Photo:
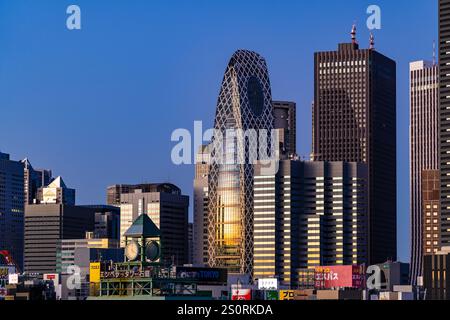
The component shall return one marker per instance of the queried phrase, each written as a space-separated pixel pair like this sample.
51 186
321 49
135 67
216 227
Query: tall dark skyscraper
244 103
11 207
355 121
444 117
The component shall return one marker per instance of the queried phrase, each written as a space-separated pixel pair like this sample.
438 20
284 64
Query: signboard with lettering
287 295
268 284
13 278
94 272
241 294
203 275
339 277
271 295
52 277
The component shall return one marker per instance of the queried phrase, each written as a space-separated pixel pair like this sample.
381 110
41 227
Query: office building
190 243
33 180
56 193
394 273
45 226
355 121
166 207
200 241
431 216
444 118
285 120
107 221
435 275
81 253
424 155
309 214
244 103
73 251
11 207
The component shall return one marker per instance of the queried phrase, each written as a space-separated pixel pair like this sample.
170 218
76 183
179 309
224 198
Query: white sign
13 278
52 277
268 284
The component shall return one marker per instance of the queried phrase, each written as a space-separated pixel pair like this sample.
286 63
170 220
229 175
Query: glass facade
244 103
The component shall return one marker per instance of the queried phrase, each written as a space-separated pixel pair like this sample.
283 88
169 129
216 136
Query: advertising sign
241 294
52 277
94 272
338 277
287 294
203 275
272 295
268 284
5 271
13 278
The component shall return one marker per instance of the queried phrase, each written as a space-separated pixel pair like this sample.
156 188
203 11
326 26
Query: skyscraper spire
353 33
372 41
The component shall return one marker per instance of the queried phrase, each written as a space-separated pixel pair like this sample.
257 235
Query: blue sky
98 105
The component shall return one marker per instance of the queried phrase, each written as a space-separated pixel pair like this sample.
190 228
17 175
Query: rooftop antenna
353 33
372 41
434 52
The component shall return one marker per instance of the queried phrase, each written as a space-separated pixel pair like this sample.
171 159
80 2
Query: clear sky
98 105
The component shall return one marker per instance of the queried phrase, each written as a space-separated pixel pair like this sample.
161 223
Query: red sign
241 294
338 277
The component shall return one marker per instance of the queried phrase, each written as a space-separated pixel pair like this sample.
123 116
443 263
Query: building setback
166 207
355 121
424 154
11 207
45 226
309 214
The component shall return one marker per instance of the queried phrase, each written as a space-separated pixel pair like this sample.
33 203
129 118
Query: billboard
13 278
5 271
271 295
338 277
52 277
241 294
203 275
268 284
287 294
94 272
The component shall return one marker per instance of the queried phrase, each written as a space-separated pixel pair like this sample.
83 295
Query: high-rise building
166 207
431 216
285 120
435 275
444 117
244 103
309 214
11 207
424 154
33 180
107 221
45 226
200 241
355 121
56 193
190 243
